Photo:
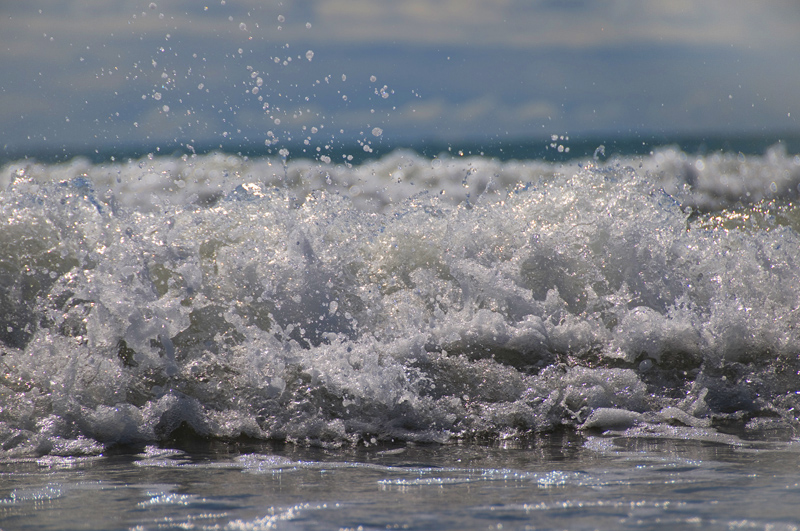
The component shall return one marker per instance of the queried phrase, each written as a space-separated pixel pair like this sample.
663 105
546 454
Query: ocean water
217 341
555 482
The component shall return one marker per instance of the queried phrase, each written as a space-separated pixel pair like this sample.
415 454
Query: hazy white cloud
561 23
510 23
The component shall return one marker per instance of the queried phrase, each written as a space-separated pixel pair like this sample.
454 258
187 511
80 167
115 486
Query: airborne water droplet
377 131
309 55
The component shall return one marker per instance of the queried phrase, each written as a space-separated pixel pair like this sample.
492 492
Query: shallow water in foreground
558 481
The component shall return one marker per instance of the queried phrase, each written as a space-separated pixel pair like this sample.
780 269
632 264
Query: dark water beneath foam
557 481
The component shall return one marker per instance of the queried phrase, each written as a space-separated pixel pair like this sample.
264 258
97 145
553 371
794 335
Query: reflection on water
558 481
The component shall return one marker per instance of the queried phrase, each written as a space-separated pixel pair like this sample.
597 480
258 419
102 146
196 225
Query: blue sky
88 74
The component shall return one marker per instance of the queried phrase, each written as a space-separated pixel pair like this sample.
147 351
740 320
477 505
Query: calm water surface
563 481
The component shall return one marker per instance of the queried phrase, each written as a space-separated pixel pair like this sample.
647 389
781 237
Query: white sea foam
405 298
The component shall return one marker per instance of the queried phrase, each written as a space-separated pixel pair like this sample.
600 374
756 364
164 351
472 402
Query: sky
84 75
